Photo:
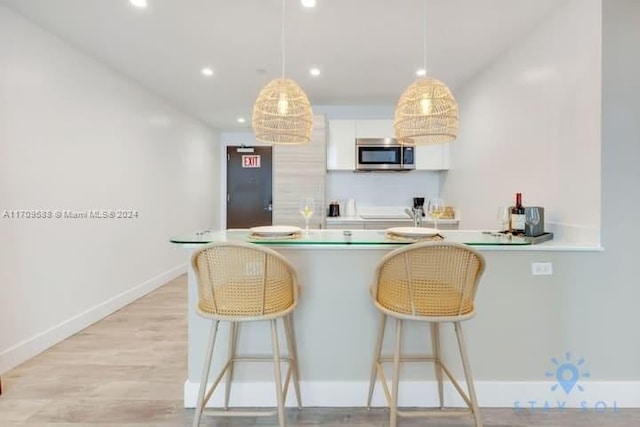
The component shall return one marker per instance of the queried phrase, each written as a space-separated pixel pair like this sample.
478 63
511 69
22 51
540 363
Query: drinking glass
436 210
307 207
503 217
531 217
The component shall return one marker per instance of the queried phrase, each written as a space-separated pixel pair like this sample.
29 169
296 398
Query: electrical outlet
541 268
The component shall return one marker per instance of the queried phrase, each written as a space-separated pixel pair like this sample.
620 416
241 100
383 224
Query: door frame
224 187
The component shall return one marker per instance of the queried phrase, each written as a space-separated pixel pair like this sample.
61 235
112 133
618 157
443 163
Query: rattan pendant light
427 112
282 113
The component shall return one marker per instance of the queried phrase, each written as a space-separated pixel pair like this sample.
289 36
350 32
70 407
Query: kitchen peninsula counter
336 322
376 239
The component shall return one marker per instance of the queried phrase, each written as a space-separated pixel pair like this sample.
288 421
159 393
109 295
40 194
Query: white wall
382 188
530 123
75 135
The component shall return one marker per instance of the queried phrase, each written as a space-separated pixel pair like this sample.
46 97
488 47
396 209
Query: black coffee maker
418 203
417 211
334 209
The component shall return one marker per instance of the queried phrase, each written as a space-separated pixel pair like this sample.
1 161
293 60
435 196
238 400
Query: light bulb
283 104
425 106
139 3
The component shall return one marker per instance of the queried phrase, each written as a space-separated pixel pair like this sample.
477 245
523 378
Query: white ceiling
368 50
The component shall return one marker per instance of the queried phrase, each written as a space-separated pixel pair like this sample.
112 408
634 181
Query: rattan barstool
243 282
431 282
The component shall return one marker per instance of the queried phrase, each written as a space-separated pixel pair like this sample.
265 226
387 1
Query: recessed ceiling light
241 120
139 3
308 3
421 72
206 71
315 72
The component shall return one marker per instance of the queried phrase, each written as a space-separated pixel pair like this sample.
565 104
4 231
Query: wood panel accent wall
300 171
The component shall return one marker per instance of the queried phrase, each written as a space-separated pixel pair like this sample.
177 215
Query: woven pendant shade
282 114
427 113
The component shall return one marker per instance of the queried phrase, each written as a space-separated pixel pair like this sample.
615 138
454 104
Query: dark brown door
249 202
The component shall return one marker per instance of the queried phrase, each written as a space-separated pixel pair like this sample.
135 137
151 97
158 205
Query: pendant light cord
424 35
283 53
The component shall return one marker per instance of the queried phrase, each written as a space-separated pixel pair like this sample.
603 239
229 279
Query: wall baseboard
33 346
597 396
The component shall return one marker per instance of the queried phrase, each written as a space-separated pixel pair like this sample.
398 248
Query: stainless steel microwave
384 154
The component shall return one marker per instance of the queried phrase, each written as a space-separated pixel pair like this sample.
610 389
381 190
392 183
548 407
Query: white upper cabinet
341 149
374 129
432 157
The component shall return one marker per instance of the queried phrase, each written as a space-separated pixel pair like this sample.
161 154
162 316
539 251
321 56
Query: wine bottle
517 216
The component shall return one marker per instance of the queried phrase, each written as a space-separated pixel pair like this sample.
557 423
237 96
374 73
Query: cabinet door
432 157
299 171
374 129
341 149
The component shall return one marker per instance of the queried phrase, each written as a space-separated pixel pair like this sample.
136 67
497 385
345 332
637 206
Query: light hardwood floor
128 371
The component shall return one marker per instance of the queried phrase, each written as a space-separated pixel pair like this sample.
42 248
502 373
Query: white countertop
385 213
347 219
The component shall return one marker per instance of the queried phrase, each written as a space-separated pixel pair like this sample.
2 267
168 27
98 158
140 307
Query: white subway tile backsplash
382 188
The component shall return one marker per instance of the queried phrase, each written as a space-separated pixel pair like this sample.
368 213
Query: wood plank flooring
128 371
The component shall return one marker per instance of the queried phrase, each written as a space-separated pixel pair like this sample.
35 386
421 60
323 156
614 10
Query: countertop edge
499 248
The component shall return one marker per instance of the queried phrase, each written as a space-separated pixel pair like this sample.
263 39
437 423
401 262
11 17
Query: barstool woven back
431 279
243 280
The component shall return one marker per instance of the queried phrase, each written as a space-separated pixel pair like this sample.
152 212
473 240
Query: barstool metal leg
467 373
233 342
205 373
435 341
396 375
278 375
376 359
293 355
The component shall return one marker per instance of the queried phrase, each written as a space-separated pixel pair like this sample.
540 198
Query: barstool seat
432 282
241 282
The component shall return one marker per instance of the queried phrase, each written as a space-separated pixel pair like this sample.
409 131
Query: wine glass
531 217
307 207
503 217
436 210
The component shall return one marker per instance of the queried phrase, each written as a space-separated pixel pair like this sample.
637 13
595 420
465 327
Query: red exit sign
251 161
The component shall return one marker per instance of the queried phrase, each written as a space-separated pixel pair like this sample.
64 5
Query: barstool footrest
411 358
258 358
234 413
435 412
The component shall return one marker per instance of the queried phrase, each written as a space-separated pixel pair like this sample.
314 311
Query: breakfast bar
336 322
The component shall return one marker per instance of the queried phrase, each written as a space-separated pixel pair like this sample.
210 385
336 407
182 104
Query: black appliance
334 209
418 203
